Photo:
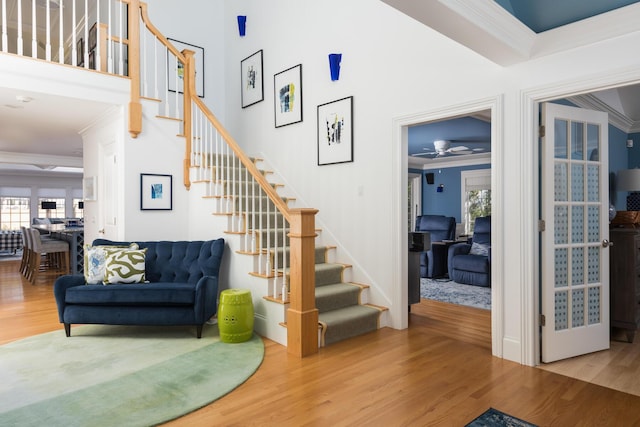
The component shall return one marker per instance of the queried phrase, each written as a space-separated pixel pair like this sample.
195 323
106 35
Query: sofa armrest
60 287
206 298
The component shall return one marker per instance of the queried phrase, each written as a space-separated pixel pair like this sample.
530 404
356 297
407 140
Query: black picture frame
287 96
335 132
93 36
156 192
171 67
80 52
252 79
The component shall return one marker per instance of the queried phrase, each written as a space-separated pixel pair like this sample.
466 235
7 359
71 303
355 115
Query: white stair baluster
86 34
48 32
5 37
110 40
61 33
74 36
34 35
98 53
20 40
284 259
121 45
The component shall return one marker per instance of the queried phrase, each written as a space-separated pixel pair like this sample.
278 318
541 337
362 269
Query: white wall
200 23
393 67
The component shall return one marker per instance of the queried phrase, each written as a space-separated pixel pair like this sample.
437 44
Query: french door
574 243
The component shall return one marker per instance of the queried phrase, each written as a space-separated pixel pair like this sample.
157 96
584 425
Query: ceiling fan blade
454 149
430 154
471 140
460 152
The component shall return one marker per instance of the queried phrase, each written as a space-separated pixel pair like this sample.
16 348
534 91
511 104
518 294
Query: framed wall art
335 132
156 192
287 95
174 66
252 79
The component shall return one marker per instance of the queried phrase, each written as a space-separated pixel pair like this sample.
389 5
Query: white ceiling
45 129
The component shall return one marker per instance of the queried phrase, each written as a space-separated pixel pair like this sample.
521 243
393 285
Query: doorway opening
451 158
589 367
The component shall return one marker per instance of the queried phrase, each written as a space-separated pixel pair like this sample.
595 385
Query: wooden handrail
281 205
157 33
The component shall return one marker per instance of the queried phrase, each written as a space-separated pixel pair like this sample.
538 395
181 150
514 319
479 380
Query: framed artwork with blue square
156 192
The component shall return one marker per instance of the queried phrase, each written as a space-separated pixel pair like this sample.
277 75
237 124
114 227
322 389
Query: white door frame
416 187
529 161
400 316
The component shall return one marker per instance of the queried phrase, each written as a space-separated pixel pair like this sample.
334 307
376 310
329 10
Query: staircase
300 290
260 230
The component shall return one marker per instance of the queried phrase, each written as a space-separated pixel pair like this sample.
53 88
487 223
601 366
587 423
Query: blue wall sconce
334 65
242 25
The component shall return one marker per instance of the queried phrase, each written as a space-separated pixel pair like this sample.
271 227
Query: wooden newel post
189 85
302 315
135 108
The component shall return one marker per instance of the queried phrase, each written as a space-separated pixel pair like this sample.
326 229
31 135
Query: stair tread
348 322
337 295
345 314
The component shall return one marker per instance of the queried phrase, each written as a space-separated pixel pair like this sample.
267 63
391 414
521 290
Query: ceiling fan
442 148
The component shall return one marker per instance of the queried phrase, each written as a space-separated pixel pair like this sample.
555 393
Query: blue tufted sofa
182 289
433 262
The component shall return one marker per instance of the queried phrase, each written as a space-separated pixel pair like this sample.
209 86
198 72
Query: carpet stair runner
342 314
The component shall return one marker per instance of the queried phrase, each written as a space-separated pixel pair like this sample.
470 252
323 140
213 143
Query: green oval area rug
119 375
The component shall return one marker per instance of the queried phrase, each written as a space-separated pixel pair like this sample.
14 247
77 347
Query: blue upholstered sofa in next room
179 286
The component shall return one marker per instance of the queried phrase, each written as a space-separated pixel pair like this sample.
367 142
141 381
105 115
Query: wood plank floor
429 374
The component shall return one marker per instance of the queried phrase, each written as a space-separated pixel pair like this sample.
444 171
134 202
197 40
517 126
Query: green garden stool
235 315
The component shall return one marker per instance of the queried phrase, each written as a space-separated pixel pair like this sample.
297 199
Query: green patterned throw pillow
124 266
94 262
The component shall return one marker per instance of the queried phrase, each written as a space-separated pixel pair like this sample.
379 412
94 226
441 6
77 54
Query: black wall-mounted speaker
429 177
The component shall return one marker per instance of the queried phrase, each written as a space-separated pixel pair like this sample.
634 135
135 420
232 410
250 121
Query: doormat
493 417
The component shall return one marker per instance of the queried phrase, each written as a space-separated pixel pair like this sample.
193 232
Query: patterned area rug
446 290
493 417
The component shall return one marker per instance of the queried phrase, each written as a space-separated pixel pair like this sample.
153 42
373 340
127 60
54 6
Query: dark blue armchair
470 263
434 261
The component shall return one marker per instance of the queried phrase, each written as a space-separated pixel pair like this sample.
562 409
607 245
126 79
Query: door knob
606 243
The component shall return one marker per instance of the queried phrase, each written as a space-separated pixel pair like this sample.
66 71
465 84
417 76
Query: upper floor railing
117 37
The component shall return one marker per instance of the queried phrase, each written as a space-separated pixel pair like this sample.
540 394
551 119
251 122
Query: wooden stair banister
189 92
135 107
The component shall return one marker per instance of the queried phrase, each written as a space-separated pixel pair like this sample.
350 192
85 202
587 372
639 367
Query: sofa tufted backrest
179 261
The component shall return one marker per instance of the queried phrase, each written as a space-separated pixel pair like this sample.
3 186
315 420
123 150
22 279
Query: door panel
575 261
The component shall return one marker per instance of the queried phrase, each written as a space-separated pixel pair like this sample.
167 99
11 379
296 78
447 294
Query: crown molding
616 118
449 162
486 28
40 159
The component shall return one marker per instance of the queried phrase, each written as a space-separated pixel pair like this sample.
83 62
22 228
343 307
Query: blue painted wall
618 159
448 202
